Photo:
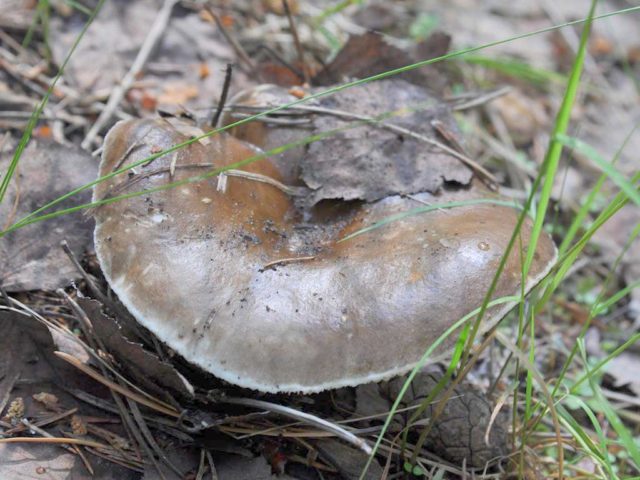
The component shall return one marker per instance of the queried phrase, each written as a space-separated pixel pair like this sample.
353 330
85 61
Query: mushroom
239 283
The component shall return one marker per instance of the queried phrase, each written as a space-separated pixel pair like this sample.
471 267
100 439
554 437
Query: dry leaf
147 368
31 257
370 163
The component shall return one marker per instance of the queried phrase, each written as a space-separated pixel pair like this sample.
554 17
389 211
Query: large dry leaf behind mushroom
31 257
366 162
370 163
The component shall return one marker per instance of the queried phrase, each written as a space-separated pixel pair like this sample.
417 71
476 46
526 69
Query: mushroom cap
189 263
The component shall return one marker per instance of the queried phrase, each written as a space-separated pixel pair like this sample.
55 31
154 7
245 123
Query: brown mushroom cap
189 263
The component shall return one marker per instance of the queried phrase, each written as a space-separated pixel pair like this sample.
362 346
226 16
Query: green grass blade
550 167
518 69
602 363
583 437
625 436
578 221
600 307
425 209
554 150
593 155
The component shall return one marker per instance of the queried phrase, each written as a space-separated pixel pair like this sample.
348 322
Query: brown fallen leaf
369 54
361 160
371 163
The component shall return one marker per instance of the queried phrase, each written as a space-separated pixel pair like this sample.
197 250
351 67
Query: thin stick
284 261
307 418
212 467
85 276
480 99
257 177
117 94
148 436
223 96
55 440
296 40
232 41
201 467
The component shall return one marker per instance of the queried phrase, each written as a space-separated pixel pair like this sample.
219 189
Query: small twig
83 318
117 94
148 436
201 466
257 177
42 423
296 40
212 467
284 261
85 276
301 416
478 100
223 96
159 423
129 150
419 200
288 189
232 41
55 440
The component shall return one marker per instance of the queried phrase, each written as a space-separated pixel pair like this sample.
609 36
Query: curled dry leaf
143 365
31 257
